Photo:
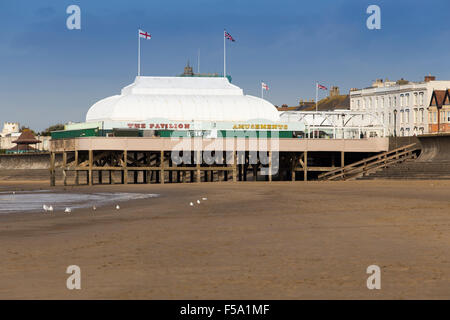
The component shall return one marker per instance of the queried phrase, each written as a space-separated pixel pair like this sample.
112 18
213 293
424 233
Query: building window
421 98
422 116
401 100
407 115
407 99
415 98
448 116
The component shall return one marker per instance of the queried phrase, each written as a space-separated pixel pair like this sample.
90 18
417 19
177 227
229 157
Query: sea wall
27 161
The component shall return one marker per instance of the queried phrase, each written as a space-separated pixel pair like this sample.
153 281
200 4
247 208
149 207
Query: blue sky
49 74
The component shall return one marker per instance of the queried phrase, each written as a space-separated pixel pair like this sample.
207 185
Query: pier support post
52 170
125 169
135 172
91 160
64 165
342 159
270 166
77 175
162 176
234 166
293 166
305 166
199 176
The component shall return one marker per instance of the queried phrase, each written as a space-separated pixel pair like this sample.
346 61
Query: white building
10 128
182 99
401 105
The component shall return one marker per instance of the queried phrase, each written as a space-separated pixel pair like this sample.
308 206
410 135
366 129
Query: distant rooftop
189 72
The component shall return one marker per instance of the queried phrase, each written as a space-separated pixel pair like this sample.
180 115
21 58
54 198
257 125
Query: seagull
68 210
117 207
191 204
198 201
94 208
47 208
204 199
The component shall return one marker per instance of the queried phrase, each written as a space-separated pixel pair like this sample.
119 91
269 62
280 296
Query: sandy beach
246 241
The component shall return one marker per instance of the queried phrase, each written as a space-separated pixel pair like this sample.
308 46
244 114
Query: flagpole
262 92
139 54
317 94
224 56
198 63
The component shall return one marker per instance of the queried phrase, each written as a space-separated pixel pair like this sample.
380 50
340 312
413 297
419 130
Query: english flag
264 86
145 35
321 87
229 37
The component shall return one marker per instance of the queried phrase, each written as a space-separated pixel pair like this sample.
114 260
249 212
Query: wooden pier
106 160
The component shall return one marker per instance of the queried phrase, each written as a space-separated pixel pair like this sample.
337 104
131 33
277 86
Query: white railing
339 124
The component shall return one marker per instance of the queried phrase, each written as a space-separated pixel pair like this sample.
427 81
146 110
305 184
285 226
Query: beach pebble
68 210
198 201
204 199
117 207
191 204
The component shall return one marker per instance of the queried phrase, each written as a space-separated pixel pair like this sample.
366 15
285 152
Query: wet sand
247 241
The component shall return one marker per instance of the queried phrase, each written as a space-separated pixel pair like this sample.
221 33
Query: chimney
429 78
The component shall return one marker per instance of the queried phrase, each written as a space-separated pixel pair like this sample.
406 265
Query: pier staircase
370 166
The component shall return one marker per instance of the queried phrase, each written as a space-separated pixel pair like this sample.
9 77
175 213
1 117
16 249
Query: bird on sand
47 208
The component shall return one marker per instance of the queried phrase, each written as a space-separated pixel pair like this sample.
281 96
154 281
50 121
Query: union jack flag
229 37
321 87
264 86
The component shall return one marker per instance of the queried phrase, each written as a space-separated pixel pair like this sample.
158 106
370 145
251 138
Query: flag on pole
264 86
145 35
321 87
229 37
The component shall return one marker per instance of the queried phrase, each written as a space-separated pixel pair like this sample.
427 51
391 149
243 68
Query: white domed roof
182 99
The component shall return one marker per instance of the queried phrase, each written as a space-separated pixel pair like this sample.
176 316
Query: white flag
145 35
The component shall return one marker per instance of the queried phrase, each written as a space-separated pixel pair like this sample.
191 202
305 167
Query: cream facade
401 105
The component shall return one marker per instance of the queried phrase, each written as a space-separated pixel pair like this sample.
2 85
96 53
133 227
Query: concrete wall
27 161
397 142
